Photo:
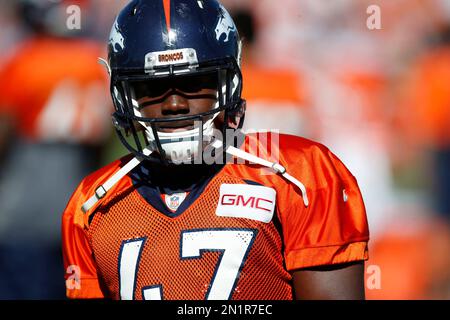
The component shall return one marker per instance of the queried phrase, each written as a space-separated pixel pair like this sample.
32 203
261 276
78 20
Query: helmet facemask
179 146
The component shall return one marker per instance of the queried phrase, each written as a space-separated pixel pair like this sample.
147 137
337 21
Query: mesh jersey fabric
331 230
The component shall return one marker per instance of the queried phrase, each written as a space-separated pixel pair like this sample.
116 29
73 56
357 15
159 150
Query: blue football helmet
156 42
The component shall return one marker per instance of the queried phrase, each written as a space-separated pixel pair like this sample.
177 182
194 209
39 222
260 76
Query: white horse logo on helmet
116 39
225 25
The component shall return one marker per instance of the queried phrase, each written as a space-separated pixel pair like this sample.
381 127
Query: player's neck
181 177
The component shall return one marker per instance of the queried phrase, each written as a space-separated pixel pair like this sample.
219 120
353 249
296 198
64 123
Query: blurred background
368 78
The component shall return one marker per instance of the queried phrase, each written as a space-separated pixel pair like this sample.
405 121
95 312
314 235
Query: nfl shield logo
174 201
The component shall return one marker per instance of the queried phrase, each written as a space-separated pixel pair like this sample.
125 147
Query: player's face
178 96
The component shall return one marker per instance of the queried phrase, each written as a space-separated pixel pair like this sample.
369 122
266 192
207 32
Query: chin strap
275 166
102 190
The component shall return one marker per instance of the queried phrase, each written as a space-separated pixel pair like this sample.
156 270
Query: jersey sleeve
82 279
333 229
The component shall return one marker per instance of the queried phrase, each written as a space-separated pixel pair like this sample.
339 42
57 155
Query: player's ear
236 120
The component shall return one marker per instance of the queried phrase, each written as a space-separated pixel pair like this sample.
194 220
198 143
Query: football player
197 212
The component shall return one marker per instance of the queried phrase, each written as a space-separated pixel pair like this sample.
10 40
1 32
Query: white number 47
234 244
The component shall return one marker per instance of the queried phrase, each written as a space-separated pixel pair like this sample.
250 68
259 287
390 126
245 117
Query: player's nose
175 104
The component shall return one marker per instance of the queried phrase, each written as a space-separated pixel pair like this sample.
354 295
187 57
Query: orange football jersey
239 236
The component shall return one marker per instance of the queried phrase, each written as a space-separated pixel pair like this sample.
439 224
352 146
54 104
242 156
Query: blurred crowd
377 94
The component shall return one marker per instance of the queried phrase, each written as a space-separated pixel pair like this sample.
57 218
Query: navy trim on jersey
141 178
253 183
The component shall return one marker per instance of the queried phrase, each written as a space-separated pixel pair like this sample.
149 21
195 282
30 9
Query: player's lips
176 127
